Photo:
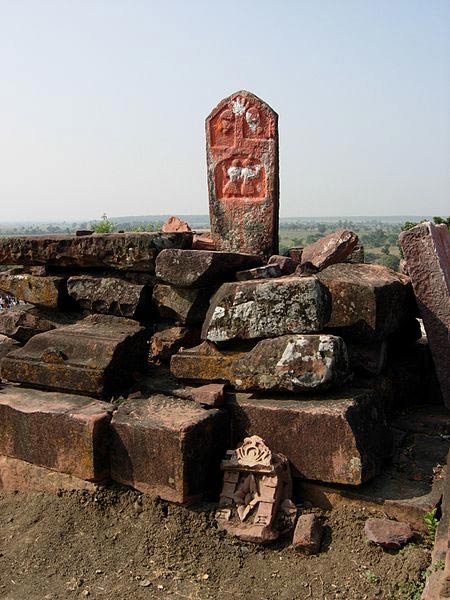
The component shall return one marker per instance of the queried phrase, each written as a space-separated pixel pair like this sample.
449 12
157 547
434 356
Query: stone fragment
97 356
168 447
204 363
63 432
286 264
295 254
345 433
128 251
256 482
49 292
387 533
427 251
168 341
265 309
80 232
202 268
211 395
23 322
357 255
174 224
111 296
369 301
203 242
264 272
242 157
7 344
331 249
186 305
308 534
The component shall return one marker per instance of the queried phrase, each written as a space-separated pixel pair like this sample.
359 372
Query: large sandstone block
369 302
202 268
242 157
168 447
186 305
427 251
111 296
342 438
97 356
49 292
266 309
62 432
129 251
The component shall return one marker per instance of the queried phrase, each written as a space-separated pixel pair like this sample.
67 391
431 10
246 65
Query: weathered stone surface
174 224
168 447
211 395
203 242
357 255
331 249
204 363
265 309
286 264
81 232
7 344
63 432
111 296
23 322
264 272
308 534
342 438
133 251
186 305
242 156
427 251
387 533
169 340
96 356
295 254
200 268
49 291
368 301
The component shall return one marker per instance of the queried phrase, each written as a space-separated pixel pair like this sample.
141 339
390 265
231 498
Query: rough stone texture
331 249
265 309
203 242
168 341
96 356
202 268
205 363
308 534
265 272
49 292
132 251
211 395
286 264
111 296
62 432
295 254
357 255
168 447
342 438
368 301
186 305
387 533
242 157
427 251
7 344
23 322
174 224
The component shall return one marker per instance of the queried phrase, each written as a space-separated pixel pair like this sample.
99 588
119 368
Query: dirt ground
119 544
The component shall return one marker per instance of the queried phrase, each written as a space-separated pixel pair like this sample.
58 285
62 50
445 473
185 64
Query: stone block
7 345
242 158
174 224
308 534
331 249
369 302
357 255
286 264
264 272
169 340
62 432
387 533
23 322
97 356
427 251
266 309
168 447
186 305
202 268
340 438
128 251
49 292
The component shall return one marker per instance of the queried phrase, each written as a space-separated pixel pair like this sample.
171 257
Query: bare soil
119 544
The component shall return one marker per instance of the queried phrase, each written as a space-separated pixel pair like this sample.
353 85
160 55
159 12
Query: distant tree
385 249
321 227
105 225
390 261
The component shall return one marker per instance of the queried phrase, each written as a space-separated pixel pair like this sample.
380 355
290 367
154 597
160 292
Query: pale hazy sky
102 103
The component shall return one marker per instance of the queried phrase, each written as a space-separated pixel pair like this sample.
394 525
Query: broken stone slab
168 447
7 344
427 251
186 305
211 395
264 272
266 309
174 224
308 534
22 322
50 292
97 356
242 158
111 296
202 268
295 254
369 302
124 251
62 432
286 264
168 341
357 255
331 249
345 433
203 242
389 534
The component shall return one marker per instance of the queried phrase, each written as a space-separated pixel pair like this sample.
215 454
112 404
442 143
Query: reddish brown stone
308 534
211 395
387 533
80 232
48 291
174 224
168 447
7 344
23 322
357 255
296 254
203 242
186 305
62 432
286 264
242 156
331 249
168 341
264 272
427 251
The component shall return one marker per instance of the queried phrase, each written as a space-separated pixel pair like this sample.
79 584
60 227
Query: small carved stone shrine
255 501
242 155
